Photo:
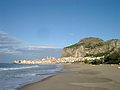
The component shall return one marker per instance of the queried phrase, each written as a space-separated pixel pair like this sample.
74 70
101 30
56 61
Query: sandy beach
81 77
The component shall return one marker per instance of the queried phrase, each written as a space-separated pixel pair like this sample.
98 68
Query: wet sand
81 77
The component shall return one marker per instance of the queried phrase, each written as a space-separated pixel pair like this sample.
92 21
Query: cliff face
91 47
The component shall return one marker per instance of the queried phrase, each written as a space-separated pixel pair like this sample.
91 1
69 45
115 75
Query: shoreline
39 81
80 77
21 87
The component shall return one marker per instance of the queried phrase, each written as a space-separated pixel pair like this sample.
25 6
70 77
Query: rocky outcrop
91 47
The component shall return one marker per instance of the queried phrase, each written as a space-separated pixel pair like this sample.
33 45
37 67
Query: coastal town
53 60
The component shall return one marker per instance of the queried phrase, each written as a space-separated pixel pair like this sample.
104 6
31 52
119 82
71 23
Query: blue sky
59 22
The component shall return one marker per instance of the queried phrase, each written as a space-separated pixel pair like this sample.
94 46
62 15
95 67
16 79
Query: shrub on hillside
86 61
96 62
113 58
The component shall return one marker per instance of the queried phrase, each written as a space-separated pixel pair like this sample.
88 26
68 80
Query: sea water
13 76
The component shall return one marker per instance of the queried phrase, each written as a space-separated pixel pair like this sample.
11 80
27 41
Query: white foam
25 75
27 67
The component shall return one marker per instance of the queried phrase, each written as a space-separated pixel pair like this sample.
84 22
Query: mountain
92 47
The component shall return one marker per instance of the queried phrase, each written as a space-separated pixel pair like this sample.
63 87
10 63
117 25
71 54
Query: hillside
92 47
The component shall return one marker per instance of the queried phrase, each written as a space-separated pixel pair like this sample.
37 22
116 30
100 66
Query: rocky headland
93 48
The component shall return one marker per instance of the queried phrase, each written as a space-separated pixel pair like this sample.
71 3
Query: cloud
6 39
37 47
8 44
38 50
11 45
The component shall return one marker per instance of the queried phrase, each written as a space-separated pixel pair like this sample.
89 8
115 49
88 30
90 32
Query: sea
14 76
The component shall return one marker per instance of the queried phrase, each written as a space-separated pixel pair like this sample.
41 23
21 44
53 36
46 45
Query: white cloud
11 45
6 39
35 47
8 44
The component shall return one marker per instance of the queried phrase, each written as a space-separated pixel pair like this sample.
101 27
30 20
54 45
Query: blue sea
14 76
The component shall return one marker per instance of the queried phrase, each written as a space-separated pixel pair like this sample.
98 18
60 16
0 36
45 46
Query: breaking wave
17 68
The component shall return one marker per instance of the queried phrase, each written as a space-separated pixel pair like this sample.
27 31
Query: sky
57 23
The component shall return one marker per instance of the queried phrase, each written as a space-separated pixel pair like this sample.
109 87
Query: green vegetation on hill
101 53
113 58
97 55
91 42
88 43
74 45
96 62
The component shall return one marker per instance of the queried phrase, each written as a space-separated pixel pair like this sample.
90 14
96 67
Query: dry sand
81 77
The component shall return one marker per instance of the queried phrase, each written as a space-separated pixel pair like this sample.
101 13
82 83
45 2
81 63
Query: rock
91 47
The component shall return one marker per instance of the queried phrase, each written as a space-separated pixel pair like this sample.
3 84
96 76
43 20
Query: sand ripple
91 88
88 72
92 80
